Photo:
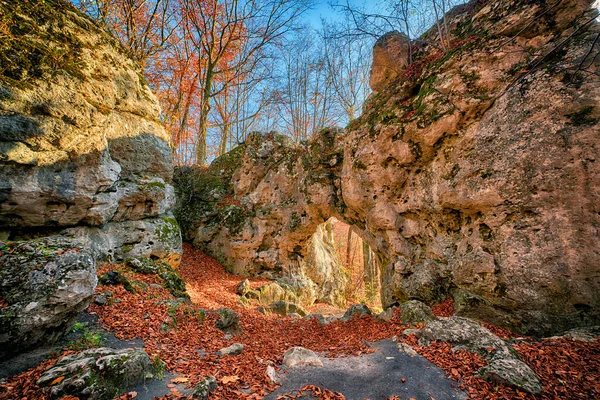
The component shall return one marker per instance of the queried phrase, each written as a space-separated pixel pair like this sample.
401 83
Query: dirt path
376 376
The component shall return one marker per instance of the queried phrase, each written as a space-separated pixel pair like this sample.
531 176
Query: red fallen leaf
57 380
210 287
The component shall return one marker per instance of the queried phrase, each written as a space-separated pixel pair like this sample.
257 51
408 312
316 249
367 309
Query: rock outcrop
391 56
474 173
44 284
100 374
81 146
504 366
84 160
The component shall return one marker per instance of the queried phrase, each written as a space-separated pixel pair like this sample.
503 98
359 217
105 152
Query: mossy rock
170 277
283 308
116 278
414 312
100 374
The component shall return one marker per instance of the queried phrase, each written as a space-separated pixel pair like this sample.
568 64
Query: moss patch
35 42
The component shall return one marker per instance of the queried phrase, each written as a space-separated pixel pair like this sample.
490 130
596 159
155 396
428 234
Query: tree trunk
203 123
370 274
349 249
202 134
224 138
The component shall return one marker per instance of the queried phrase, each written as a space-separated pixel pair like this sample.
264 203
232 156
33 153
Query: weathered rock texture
474 173
100 374
504 366
83 157
80 140
391 56
44 284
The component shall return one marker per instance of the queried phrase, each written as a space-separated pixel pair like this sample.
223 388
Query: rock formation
81 147
83 160
44 284
474 173
100 374
391 56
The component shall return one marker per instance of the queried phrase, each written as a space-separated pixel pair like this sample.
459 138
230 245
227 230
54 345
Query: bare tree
218 30
348 64
143 26
306 94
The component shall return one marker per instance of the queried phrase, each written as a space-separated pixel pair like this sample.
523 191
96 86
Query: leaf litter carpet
185 338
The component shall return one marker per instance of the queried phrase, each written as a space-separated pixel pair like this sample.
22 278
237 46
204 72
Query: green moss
170 277
154 184
168 231
88 340
36 44
484 173
469 77
295 221
234 218
198 192
158 367
127 248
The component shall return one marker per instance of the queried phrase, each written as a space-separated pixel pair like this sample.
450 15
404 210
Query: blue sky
322 9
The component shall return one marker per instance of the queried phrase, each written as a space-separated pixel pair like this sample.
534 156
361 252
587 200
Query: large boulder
505 366
298 356
471 174
44 285
100 374
414 311
80 139
356 309
391 56
82 155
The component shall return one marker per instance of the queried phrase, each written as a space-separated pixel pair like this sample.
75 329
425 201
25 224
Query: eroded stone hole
344 267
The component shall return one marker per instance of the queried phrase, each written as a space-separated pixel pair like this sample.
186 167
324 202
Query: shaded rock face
83 160
473 174
80 141
44 284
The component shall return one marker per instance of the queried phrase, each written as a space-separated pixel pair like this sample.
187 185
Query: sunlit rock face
80 141
474 174
391 56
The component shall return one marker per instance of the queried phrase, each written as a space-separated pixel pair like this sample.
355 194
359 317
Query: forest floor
184 336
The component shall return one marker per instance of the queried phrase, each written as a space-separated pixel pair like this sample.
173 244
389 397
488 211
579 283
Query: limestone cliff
474 173
85 168
80 141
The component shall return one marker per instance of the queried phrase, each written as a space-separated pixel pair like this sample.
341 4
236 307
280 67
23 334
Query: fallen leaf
57 380
180 379
229 379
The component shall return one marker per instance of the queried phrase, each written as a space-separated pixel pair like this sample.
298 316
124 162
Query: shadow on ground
375 376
